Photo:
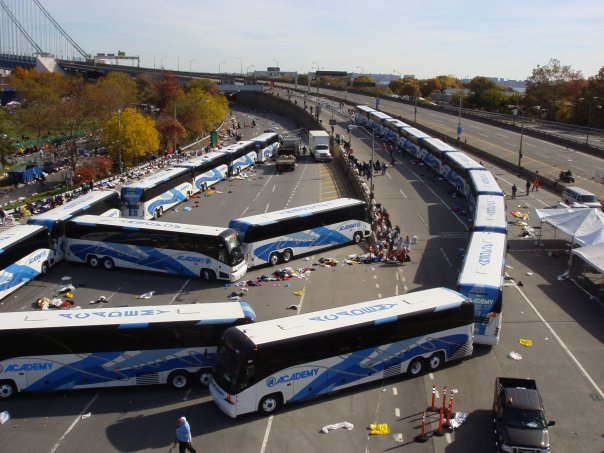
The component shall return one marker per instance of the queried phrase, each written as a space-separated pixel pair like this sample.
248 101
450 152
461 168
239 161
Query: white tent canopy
586 226
593 254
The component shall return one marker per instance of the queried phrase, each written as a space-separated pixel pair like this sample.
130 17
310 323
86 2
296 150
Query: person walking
183 436
528 185
514 190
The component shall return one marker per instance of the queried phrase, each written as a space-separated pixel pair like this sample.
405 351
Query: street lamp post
153 62
219 65
240 65
317 78
459 129
371 194
161 62
177 63
415 104
248 69
590 103
276 61
515 110
190 71
362 69
119 140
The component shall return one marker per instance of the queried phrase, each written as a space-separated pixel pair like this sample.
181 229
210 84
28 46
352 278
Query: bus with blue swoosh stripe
193 251
481 280
240 155
149 197
24 254
261 366
278 236
267 145
96 202
206 170
113 347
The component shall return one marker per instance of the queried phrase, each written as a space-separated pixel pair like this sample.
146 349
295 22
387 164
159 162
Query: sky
464 38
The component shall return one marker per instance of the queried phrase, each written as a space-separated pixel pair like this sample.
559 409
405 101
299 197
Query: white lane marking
397 277
77 419
266 209
375 277
483 135
446 258
274 188
448 437
388 174
245 210
379 295
397 412
579 168
268 429
561 343
509 144
182 288
186 397
431 376
423 221
404 196
396 290
377 285
394 391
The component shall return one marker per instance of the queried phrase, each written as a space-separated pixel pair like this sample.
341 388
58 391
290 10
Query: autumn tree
111 93
206 85
199 112
550 86
168 88
40 96
171 131
129 136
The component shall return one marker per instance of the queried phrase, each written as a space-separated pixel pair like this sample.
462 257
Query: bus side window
247 376
222 256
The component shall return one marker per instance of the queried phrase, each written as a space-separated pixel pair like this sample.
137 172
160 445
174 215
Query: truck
318 141
520 423
287 154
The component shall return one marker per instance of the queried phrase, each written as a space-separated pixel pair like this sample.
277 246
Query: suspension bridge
28 32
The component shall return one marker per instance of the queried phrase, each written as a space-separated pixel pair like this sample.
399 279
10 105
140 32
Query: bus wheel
179 380
93 261
156 214
416 366
270 404
436 361
204 187
160 211
274 258
44 268
238 171
287 256
108 264
357 237
204 377
7 390
208 275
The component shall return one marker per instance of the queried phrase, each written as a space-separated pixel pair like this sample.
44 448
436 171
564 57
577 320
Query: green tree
133 135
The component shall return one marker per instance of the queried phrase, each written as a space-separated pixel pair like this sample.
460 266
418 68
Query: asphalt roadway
566 328
538 155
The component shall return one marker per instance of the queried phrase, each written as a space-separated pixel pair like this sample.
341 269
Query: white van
572 195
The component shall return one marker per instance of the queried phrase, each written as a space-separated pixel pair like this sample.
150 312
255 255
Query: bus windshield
234 249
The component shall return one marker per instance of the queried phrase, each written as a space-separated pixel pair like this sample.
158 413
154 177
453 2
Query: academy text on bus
174 248
265 365
113 347
278 236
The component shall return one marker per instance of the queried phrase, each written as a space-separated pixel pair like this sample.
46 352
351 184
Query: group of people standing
391 246
530 183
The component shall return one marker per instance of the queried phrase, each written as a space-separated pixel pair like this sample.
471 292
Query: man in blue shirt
183 436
